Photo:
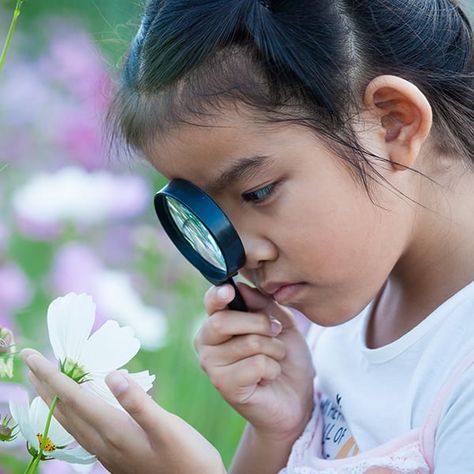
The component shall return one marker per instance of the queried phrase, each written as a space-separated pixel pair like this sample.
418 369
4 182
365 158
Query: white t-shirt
370 396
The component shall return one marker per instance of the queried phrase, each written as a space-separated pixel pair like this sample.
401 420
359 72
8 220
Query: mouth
282 292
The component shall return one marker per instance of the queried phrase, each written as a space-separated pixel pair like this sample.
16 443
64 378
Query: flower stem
28 468
16 14
34 466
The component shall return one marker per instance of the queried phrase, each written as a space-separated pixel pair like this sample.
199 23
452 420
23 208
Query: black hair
306 62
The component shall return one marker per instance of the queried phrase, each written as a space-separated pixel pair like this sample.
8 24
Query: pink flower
12 391
81 139
15 292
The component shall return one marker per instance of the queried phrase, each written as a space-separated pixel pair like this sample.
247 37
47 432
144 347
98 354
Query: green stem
34 466
28 468
37 460
16 14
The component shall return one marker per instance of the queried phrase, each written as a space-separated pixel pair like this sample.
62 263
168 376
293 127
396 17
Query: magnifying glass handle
238 303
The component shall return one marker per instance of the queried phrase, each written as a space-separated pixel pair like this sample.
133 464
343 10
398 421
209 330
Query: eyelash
259 195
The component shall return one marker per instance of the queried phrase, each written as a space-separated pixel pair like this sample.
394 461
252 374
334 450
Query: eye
260 195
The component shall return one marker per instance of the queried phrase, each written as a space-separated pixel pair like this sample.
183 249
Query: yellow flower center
48 446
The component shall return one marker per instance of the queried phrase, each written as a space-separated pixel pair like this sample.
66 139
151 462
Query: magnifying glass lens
202 233
196 234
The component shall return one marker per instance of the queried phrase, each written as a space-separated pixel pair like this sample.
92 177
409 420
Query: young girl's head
323 128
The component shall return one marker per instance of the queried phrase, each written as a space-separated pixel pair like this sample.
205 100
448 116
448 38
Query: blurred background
76 219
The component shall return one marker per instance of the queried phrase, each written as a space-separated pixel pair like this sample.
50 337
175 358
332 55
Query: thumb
165 431
259 302
135 401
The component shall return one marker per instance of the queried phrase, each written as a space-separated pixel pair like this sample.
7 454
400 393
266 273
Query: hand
143 439
263 370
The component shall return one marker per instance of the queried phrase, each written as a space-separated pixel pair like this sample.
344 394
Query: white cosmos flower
59 444
85 197
88 358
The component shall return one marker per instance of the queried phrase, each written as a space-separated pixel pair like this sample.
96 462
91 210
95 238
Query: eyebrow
239 170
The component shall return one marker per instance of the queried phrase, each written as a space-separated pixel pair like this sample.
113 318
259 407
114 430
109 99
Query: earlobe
405 117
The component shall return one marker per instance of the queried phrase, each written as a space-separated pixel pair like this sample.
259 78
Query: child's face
316 226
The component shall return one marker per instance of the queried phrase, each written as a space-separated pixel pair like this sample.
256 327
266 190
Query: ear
405 117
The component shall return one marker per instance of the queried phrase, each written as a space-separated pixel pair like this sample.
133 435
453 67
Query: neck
437 263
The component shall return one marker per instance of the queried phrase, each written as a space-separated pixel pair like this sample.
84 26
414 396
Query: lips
281 291
272 288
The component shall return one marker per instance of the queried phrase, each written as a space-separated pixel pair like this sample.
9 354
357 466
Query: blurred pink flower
4 235
12 391
15 292
38 230
81 139
60 467
25 95
78 269
118 246
15 289
72 85
74 269
74 61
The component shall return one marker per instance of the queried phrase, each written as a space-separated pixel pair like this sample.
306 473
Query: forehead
203 150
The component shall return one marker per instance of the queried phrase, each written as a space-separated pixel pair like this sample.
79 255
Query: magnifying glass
202 233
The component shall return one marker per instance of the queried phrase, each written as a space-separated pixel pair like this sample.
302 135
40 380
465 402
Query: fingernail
117 383
276 327
32 362
26 353
223 292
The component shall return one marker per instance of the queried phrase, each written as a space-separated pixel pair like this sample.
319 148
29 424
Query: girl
338 137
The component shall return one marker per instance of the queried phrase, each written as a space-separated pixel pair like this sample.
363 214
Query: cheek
342 238
345 249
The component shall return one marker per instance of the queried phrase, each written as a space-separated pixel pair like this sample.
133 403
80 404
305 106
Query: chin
328 316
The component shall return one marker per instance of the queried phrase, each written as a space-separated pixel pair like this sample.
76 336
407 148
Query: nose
258 250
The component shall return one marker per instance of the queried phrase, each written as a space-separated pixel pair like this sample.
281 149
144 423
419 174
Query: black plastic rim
213 219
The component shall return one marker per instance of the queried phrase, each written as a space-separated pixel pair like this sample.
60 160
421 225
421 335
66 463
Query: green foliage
112 23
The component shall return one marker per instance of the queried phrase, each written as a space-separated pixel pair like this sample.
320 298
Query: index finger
224 325
71 395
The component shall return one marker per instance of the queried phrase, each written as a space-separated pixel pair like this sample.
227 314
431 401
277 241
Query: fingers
97 426
225 324
73 400
242 347
76 426
238 382
217 298
136 402
47 373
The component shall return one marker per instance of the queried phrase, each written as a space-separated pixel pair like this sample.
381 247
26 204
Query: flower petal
58 435
100 388
77 455
21 414
109 348
70 321
39 414
144 379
